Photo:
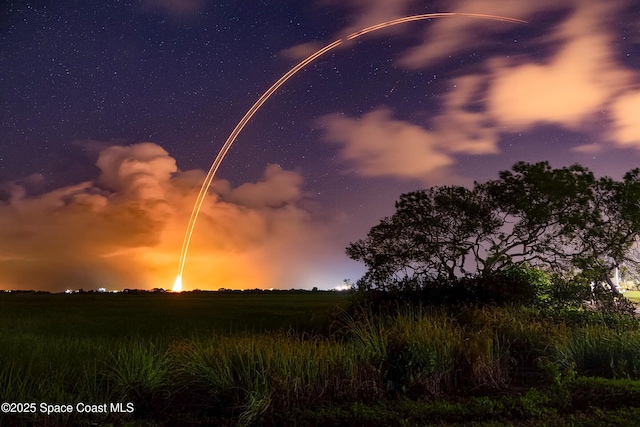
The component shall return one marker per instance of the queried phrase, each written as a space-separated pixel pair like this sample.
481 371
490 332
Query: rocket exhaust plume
177 285
256 106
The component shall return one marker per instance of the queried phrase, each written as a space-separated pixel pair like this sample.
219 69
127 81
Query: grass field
286 358
167 315
102 348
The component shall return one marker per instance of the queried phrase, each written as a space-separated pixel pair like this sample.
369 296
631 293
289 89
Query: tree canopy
564 220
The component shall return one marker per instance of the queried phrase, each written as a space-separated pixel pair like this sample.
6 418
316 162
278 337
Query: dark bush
516 285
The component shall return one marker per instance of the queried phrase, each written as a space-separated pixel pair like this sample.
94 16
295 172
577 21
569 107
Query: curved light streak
177 287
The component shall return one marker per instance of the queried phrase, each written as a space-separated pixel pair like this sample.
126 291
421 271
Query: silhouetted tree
562 220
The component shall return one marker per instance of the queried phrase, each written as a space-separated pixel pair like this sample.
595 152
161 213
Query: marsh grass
254 378
600 351
139 371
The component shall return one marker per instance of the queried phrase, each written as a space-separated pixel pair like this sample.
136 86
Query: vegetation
412 365
167 315
529 338
144 348
564 221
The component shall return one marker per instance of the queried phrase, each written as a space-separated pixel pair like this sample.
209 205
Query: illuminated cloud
580 78
301 51
139 171
461 129
277 188
576 84
125 229
378 145
625 111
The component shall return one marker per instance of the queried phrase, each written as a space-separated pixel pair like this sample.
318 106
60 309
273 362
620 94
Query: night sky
112 112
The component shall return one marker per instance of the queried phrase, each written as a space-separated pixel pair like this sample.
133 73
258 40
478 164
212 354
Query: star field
442 101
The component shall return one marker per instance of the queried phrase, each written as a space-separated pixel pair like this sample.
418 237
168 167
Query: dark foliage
454 245
517 285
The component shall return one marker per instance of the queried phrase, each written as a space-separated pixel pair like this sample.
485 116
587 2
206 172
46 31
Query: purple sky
112 112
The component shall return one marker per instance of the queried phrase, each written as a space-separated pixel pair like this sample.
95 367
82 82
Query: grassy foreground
282 359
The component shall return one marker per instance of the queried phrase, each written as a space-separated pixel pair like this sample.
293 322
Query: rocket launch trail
274 87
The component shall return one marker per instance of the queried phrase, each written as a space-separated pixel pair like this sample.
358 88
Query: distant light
343 287
102 289
270 289
68 291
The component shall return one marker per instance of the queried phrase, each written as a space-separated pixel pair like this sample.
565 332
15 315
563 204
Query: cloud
277 188
452 36
578 82
460 128
378 145
568 75
443 37
18 189
588 148
625 110
138 170
301 51
125 229
364 13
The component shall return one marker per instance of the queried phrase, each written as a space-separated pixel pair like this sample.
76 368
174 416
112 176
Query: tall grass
248 378
600 351
282 370
421 352
139 371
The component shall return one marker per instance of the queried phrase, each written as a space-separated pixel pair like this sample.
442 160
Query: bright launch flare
177 287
